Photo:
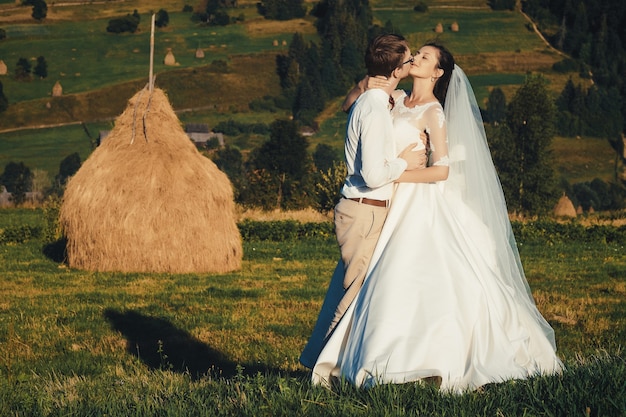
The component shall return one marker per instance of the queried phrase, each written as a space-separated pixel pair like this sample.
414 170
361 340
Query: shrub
19 234
566 65
421 7
128 23
284 230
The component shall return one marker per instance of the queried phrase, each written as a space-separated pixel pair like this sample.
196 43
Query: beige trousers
358 228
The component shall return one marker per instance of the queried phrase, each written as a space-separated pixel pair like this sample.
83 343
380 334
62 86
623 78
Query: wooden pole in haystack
150 77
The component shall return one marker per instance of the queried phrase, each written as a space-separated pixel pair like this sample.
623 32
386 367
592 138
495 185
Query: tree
41 69
528 178
162 18
328 186
4 102
128 23
68 167
325 156
283 162
281 9
216 13
343 28
230 161
40 10
17 179
22 69
496 106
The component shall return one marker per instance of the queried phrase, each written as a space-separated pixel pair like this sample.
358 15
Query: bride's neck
422 92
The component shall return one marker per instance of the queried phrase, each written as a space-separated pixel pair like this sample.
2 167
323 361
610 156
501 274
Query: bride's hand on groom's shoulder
375 82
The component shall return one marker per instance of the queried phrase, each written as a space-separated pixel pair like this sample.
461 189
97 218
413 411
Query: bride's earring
433 79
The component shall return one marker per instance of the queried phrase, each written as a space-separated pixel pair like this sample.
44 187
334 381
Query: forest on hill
321 58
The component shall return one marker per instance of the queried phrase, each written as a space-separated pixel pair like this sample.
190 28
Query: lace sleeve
438 139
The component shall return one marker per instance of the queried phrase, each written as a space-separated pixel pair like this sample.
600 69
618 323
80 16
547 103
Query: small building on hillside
200 134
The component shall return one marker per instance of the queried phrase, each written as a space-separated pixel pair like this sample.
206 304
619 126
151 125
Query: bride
445 297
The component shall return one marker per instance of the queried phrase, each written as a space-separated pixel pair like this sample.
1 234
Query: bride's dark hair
446 63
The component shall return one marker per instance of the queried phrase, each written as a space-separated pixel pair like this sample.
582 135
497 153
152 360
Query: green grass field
82 56
83 343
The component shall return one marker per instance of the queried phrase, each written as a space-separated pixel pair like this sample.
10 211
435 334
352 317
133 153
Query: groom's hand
414 159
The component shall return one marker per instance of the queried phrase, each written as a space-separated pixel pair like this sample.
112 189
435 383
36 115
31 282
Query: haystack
3 68
169 58
454 27
565 207
147 201
439 28
199 53
57 90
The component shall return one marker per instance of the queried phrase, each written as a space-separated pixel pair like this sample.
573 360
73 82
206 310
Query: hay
150 203
57 90
565 207
169 58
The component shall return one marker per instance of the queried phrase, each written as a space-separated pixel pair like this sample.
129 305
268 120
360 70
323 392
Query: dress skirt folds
432 307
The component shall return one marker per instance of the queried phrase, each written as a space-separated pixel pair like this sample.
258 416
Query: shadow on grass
161 345
56 251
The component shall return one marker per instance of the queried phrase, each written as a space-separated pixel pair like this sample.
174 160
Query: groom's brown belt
371 202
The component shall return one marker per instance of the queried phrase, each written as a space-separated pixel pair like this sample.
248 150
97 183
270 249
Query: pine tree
162 18
283 160
22 69
40 10
530 119
496 106
17 179
41 69
578 33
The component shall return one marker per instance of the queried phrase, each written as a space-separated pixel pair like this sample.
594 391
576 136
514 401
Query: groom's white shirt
371 156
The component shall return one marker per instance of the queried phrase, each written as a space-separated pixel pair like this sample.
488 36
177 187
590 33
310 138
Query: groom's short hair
384 54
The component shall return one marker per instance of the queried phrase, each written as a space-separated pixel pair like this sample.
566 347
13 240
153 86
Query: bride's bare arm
366 83
354 94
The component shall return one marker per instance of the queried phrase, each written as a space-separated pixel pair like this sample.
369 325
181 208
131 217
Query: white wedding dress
434 302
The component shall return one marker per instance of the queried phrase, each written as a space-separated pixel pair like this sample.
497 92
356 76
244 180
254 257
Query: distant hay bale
565 207
169 58
454 27
150 203
57 90
199 53
439 28
3 68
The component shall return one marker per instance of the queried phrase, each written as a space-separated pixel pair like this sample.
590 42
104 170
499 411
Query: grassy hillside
100 71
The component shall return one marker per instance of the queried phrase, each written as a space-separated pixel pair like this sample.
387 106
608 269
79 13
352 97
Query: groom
367 190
